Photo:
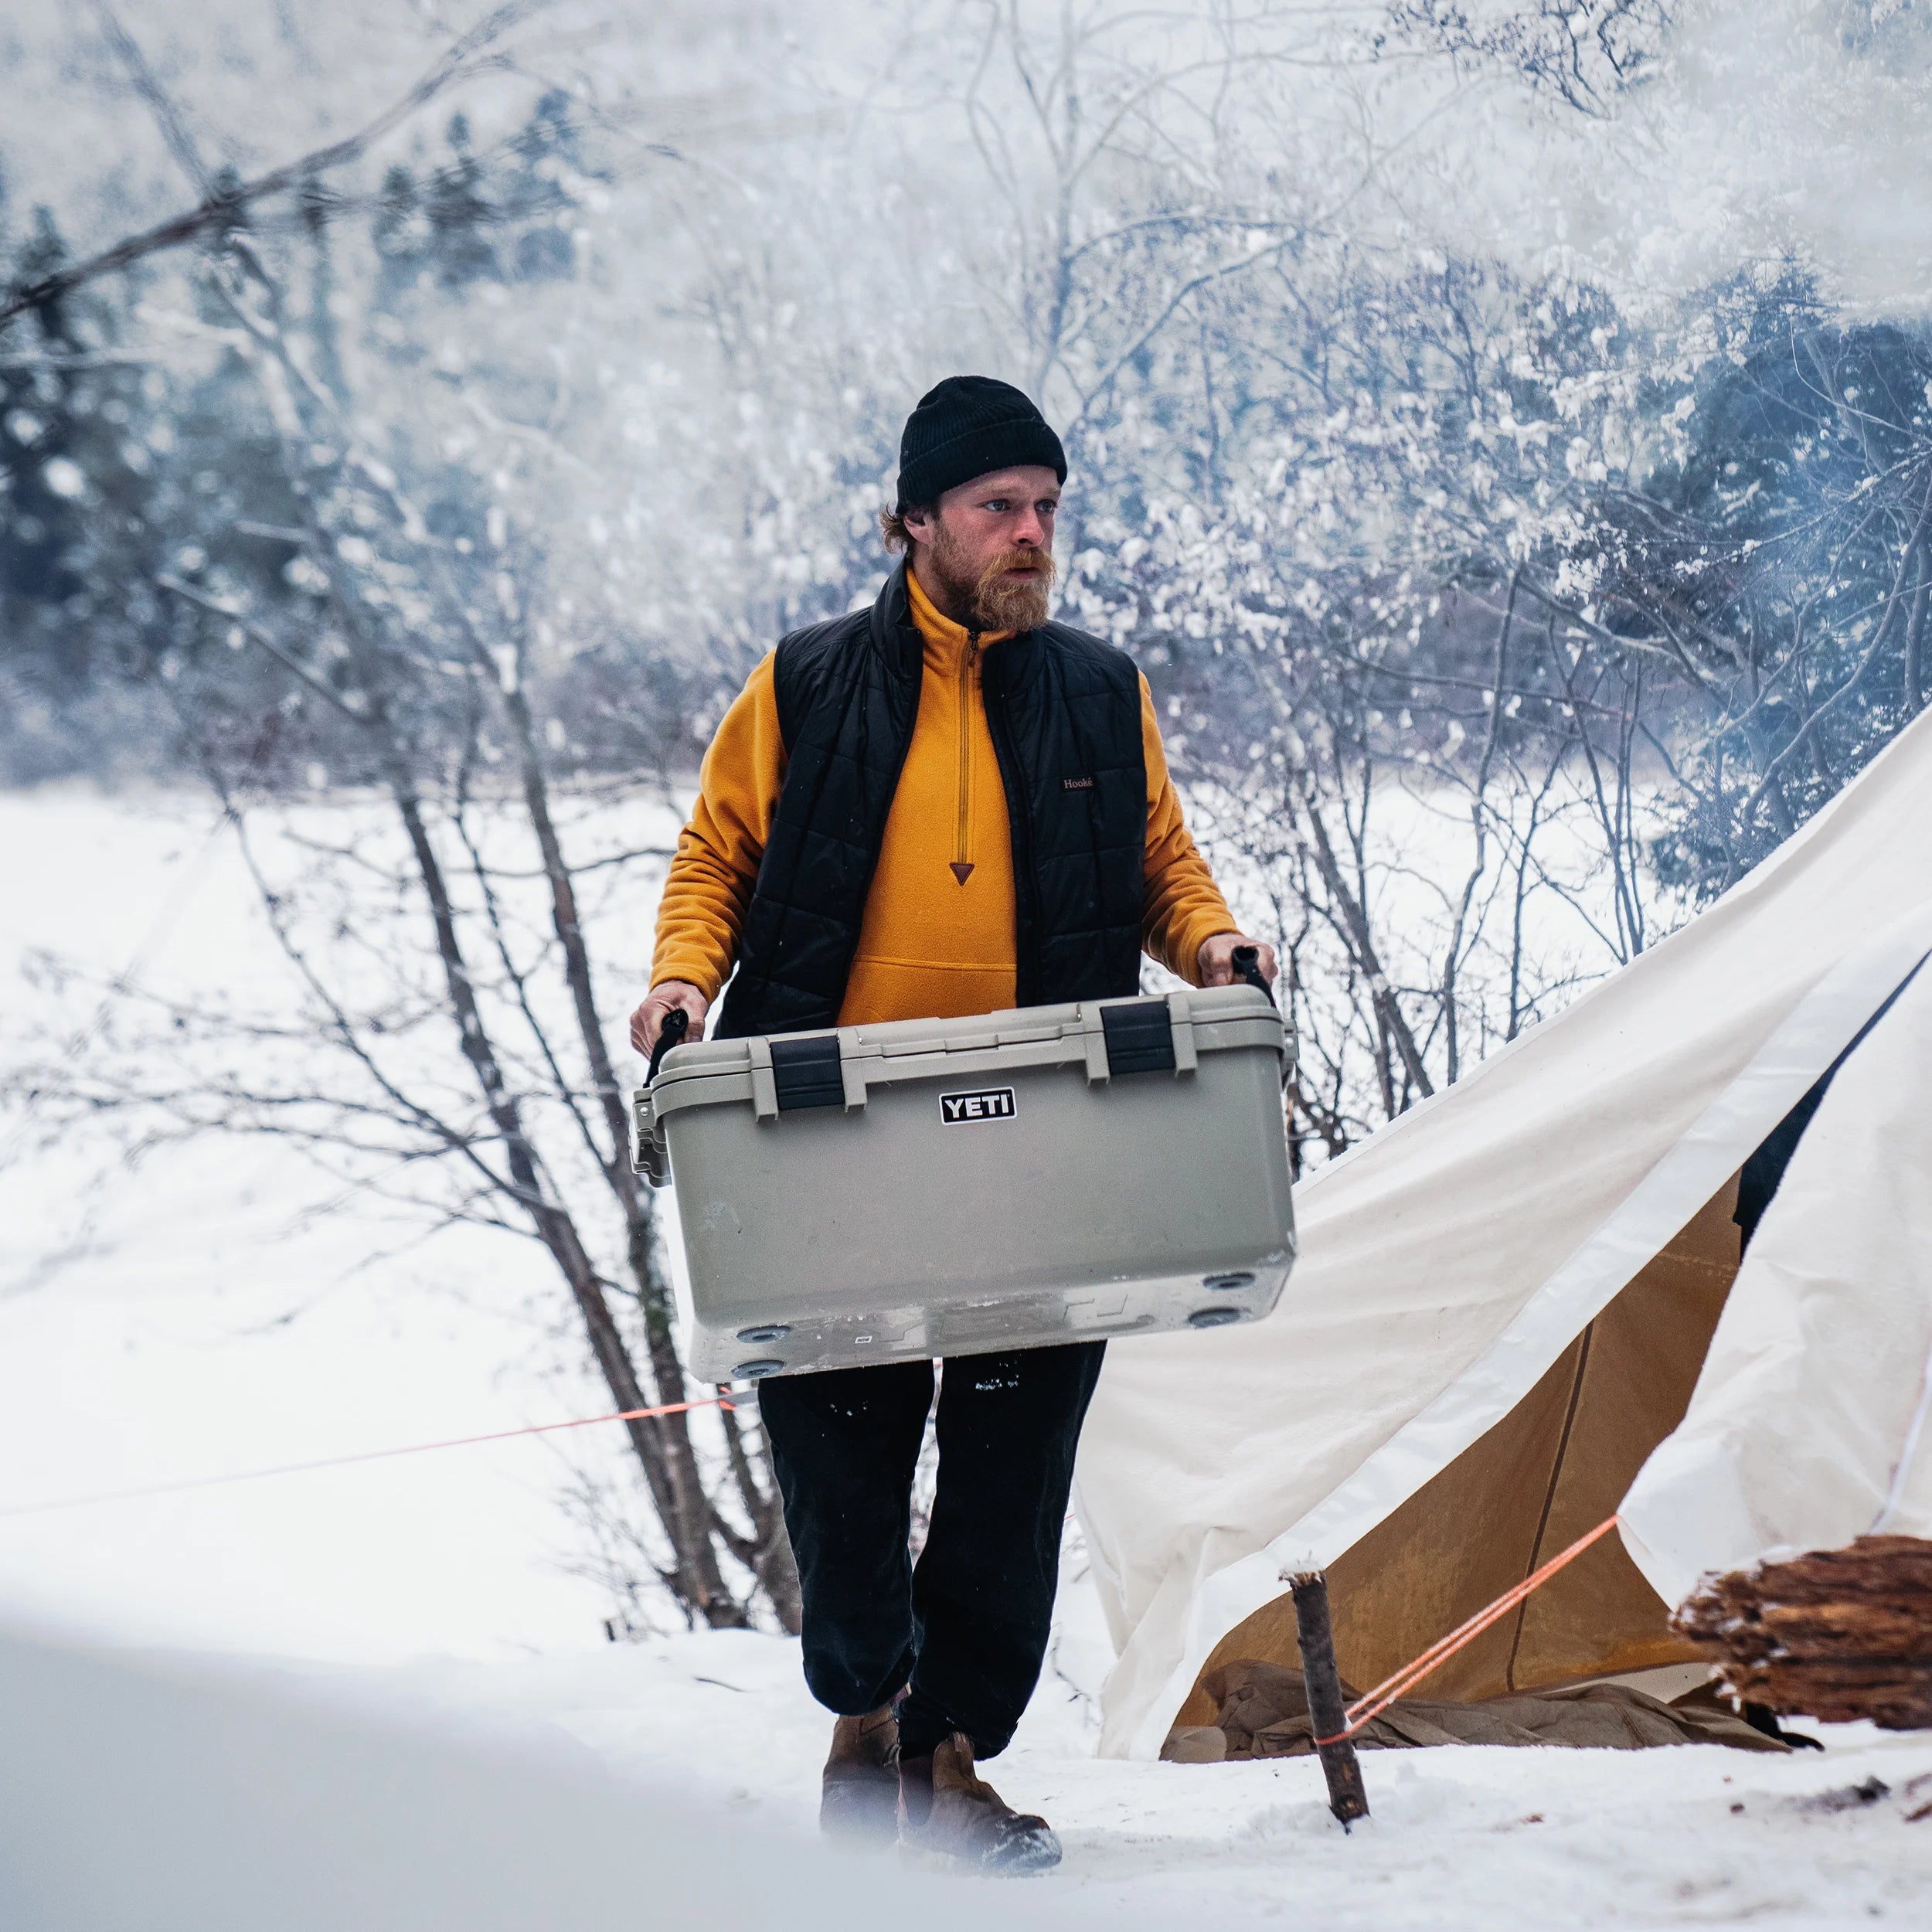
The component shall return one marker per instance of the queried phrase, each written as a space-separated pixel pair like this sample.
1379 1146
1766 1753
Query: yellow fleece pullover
937 938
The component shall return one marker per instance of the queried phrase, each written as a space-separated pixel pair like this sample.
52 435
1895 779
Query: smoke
1765 131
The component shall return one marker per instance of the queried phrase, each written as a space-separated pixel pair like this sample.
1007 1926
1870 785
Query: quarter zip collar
956 654
946 642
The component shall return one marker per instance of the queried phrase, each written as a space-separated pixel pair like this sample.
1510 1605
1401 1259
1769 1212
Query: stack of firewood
1836 1634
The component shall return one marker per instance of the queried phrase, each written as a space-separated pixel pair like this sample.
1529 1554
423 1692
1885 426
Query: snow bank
163 1796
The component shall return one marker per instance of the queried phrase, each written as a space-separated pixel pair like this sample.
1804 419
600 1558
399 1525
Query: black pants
967 1628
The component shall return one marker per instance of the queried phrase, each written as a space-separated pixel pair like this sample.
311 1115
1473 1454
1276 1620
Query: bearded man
942 804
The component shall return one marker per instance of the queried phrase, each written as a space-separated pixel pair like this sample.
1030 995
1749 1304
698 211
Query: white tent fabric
1450 1258
1808 1424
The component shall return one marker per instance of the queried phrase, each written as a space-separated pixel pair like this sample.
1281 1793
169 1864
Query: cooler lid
782 1072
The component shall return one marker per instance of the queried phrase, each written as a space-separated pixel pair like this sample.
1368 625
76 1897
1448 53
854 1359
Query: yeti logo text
989 1104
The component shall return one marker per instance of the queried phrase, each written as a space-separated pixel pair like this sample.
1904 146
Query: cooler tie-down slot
1139 1037
808 1071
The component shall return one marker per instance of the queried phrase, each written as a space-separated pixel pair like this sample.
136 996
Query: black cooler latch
807 1072
1139 1037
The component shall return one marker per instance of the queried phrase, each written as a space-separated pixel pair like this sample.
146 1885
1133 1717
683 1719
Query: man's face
985 553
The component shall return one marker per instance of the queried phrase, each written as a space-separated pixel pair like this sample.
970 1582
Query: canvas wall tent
1505 1300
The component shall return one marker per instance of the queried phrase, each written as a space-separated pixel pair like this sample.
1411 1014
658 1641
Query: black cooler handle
650 1160
677 1023
1246 960
1247 969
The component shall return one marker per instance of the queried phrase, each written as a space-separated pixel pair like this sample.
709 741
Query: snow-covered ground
185 1323
1460 1840
1475 1838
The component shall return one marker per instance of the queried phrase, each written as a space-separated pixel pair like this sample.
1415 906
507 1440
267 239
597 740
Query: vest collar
894 635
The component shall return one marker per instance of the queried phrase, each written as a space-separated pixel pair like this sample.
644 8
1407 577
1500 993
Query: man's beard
990 601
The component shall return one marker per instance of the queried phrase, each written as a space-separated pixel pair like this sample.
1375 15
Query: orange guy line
364 1455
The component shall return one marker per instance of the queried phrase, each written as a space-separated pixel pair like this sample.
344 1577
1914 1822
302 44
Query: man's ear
921 521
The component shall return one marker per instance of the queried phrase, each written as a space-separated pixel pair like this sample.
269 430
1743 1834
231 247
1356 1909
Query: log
1834 1635
1340 1766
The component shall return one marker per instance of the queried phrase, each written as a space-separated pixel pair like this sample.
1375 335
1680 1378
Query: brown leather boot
858 1794
948 1811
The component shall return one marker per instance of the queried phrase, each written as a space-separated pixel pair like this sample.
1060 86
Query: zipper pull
961 867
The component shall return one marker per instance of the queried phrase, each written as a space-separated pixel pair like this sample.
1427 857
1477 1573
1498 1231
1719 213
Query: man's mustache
1026 557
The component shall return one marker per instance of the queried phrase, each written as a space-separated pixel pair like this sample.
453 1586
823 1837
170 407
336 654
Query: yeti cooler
929 1188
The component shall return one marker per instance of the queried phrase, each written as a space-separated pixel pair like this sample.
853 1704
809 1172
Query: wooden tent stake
1339 1766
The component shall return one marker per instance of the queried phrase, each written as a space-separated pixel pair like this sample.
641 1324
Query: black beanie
964 426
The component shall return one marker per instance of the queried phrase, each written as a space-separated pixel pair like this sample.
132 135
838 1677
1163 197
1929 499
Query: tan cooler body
956 1187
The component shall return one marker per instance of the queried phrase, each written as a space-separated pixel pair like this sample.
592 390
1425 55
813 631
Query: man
941 805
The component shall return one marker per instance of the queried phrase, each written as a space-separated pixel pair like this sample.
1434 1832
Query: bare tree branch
219 208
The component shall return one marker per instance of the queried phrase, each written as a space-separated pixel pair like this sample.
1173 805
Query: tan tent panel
1552 1468
1505 1300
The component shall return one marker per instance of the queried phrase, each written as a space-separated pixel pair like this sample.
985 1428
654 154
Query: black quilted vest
1065 713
